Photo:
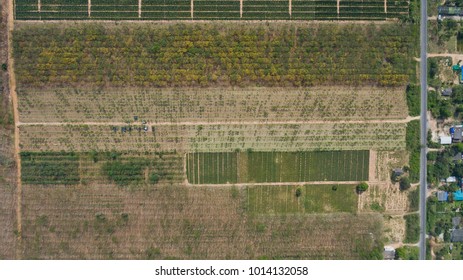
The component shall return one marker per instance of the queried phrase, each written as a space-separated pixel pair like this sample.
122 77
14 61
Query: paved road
424 126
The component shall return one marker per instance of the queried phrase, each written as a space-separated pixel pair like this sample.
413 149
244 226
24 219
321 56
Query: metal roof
442 196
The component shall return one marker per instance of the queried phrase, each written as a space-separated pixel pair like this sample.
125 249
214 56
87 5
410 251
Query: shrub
404 183
362 187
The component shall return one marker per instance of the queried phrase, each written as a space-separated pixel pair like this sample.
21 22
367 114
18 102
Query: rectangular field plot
269 167
215 138
220 168
312 199
209 10
213 105
166 9
266 9
216 9
213 55
102 222
314 10
61 168
50 168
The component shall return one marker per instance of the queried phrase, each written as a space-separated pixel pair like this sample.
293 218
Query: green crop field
313 199
259 167
209 10
213 54
65 168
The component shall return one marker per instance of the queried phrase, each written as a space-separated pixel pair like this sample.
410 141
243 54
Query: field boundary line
387 21
406 120
14 99
278 184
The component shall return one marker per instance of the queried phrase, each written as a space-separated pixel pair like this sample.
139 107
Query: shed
388 253
457 136
442 196
398 171
458 195
445 140
457 235
446 92
451 179
456 221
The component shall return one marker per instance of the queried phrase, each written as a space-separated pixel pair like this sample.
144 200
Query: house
445 140
449 12
442 196
388 253
446 92
451 179
457 235
456 221
457 136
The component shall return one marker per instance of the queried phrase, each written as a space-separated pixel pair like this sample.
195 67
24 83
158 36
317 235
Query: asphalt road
424 124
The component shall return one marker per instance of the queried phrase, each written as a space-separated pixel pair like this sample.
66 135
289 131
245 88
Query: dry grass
180 222
7 196
217 138
217 105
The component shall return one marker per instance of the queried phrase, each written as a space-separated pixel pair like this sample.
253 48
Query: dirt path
455 56
192 8
39 5
139 8
89 8
337 6
14 99
241 8
406 120
372 166
385 6
290 7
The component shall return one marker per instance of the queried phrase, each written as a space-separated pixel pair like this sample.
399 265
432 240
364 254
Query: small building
398 172
451 179
442 196
456 221
457 235
457 157
388 253
458 196
445 140
449 12
446 92
457 136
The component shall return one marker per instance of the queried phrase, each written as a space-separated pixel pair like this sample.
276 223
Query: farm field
259 167
209 10
214 138
61 168
274 200
106 222
213 55
211 105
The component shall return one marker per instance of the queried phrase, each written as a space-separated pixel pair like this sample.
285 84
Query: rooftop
457 235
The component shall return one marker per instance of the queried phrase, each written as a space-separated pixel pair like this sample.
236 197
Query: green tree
404 183
362 187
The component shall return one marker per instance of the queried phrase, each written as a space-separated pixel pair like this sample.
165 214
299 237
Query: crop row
208 55
181 9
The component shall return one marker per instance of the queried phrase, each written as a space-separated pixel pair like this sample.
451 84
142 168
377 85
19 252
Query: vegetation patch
301 199
213 54
413 147
412 228
46 168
